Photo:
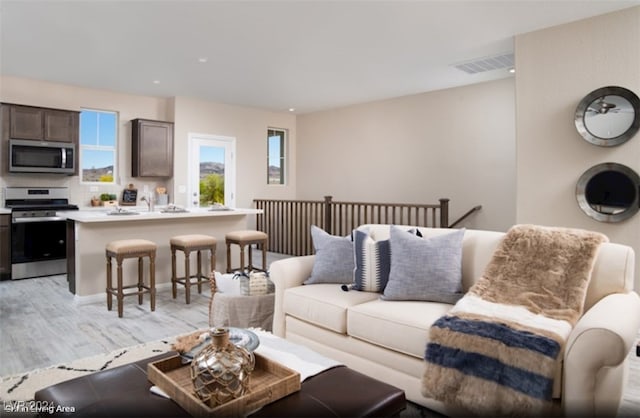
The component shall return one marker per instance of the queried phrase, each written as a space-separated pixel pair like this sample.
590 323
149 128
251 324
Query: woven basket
257 284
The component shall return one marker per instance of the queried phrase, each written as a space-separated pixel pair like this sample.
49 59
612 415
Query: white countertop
5 211
142 214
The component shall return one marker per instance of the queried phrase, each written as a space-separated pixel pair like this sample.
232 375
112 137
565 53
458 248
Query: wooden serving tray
269 382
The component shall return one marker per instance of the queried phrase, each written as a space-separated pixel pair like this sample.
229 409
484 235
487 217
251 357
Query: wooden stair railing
466 215
288 222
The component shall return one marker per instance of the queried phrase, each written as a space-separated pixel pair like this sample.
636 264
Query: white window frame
283 156
98 147
226 142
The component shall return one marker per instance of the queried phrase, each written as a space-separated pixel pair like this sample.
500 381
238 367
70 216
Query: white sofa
387 339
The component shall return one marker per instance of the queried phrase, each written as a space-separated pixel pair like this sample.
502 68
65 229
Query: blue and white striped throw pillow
372 263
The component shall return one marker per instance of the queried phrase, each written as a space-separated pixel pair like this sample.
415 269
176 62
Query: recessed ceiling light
512 70
156 81
292 109
203 59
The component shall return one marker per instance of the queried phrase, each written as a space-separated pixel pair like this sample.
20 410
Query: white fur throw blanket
496 352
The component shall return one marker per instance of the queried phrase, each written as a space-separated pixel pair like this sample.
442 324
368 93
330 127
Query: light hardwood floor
41 325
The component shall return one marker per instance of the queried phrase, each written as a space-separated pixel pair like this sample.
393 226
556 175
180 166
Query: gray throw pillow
333 262
428 269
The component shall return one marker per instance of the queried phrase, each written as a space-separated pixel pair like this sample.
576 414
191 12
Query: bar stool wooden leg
120 294
140 280
241 256
199 276
250 257
264 256
187 277
152 279
228 258
109 284
174 285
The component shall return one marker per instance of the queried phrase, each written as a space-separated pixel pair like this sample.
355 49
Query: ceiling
307 55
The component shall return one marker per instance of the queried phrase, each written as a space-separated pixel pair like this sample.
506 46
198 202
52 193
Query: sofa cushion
428 269
324 305
334 258
398 325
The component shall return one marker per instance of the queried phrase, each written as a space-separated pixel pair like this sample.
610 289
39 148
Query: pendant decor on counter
221 371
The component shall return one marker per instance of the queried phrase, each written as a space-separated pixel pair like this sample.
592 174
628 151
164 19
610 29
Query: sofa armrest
596 350
286 273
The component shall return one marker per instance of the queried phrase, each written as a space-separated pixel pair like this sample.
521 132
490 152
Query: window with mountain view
98 138
276 156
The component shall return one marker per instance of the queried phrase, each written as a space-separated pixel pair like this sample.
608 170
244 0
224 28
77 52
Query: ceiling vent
480 65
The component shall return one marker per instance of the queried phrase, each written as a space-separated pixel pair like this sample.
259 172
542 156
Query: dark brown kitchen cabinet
5 247
151 148
44 124
37 124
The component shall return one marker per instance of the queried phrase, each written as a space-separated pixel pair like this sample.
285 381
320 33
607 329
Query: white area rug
23 386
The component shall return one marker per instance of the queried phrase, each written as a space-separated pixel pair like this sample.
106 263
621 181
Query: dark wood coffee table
124 391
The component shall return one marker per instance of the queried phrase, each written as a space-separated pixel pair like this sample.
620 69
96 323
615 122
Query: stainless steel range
38 235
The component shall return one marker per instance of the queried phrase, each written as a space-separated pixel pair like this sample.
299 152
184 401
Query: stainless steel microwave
27 156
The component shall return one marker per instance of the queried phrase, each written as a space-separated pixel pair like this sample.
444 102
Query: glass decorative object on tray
220 372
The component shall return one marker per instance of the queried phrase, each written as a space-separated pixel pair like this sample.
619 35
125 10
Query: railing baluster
288 222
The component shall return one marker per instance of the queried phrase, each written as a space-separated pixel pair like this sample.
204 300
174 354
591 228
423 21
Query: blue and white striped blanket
498 350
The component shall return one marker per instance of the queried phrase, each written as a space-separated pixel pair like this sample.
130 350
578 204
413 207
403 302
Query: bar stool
131 248
187 244
242 239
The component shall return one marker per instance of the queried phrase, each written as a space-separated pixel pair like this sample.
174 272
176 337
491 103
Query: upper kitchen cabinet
44 124
151 148
38 124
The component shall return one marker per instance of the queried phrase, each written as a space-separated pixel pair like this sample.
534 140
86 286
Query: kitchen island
89 231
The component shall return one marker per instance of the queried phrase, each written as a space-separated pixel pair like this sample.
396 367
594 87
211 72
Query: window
98 133
276 156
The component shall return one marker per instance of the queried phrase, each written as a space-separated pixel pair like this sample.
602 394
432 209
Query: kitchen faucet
148 199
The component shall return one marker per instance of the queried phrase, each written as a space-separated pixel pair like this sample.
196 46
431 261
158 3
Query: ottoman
124 391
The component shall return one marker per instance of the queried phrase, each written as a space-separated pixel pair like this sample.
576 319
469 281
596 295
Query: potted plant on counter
108 199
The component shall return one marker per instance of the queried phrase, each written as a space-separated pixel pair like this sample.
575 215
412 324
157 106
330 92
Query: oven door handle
38 219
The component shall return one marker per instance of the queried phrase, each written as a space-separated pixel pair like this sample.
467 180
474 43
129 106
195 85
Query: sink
174 209
218 206
122 212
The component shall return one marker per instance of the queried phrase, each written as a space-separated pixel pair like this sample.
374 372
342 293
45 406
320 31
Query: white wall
249 127
457 143
556 68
